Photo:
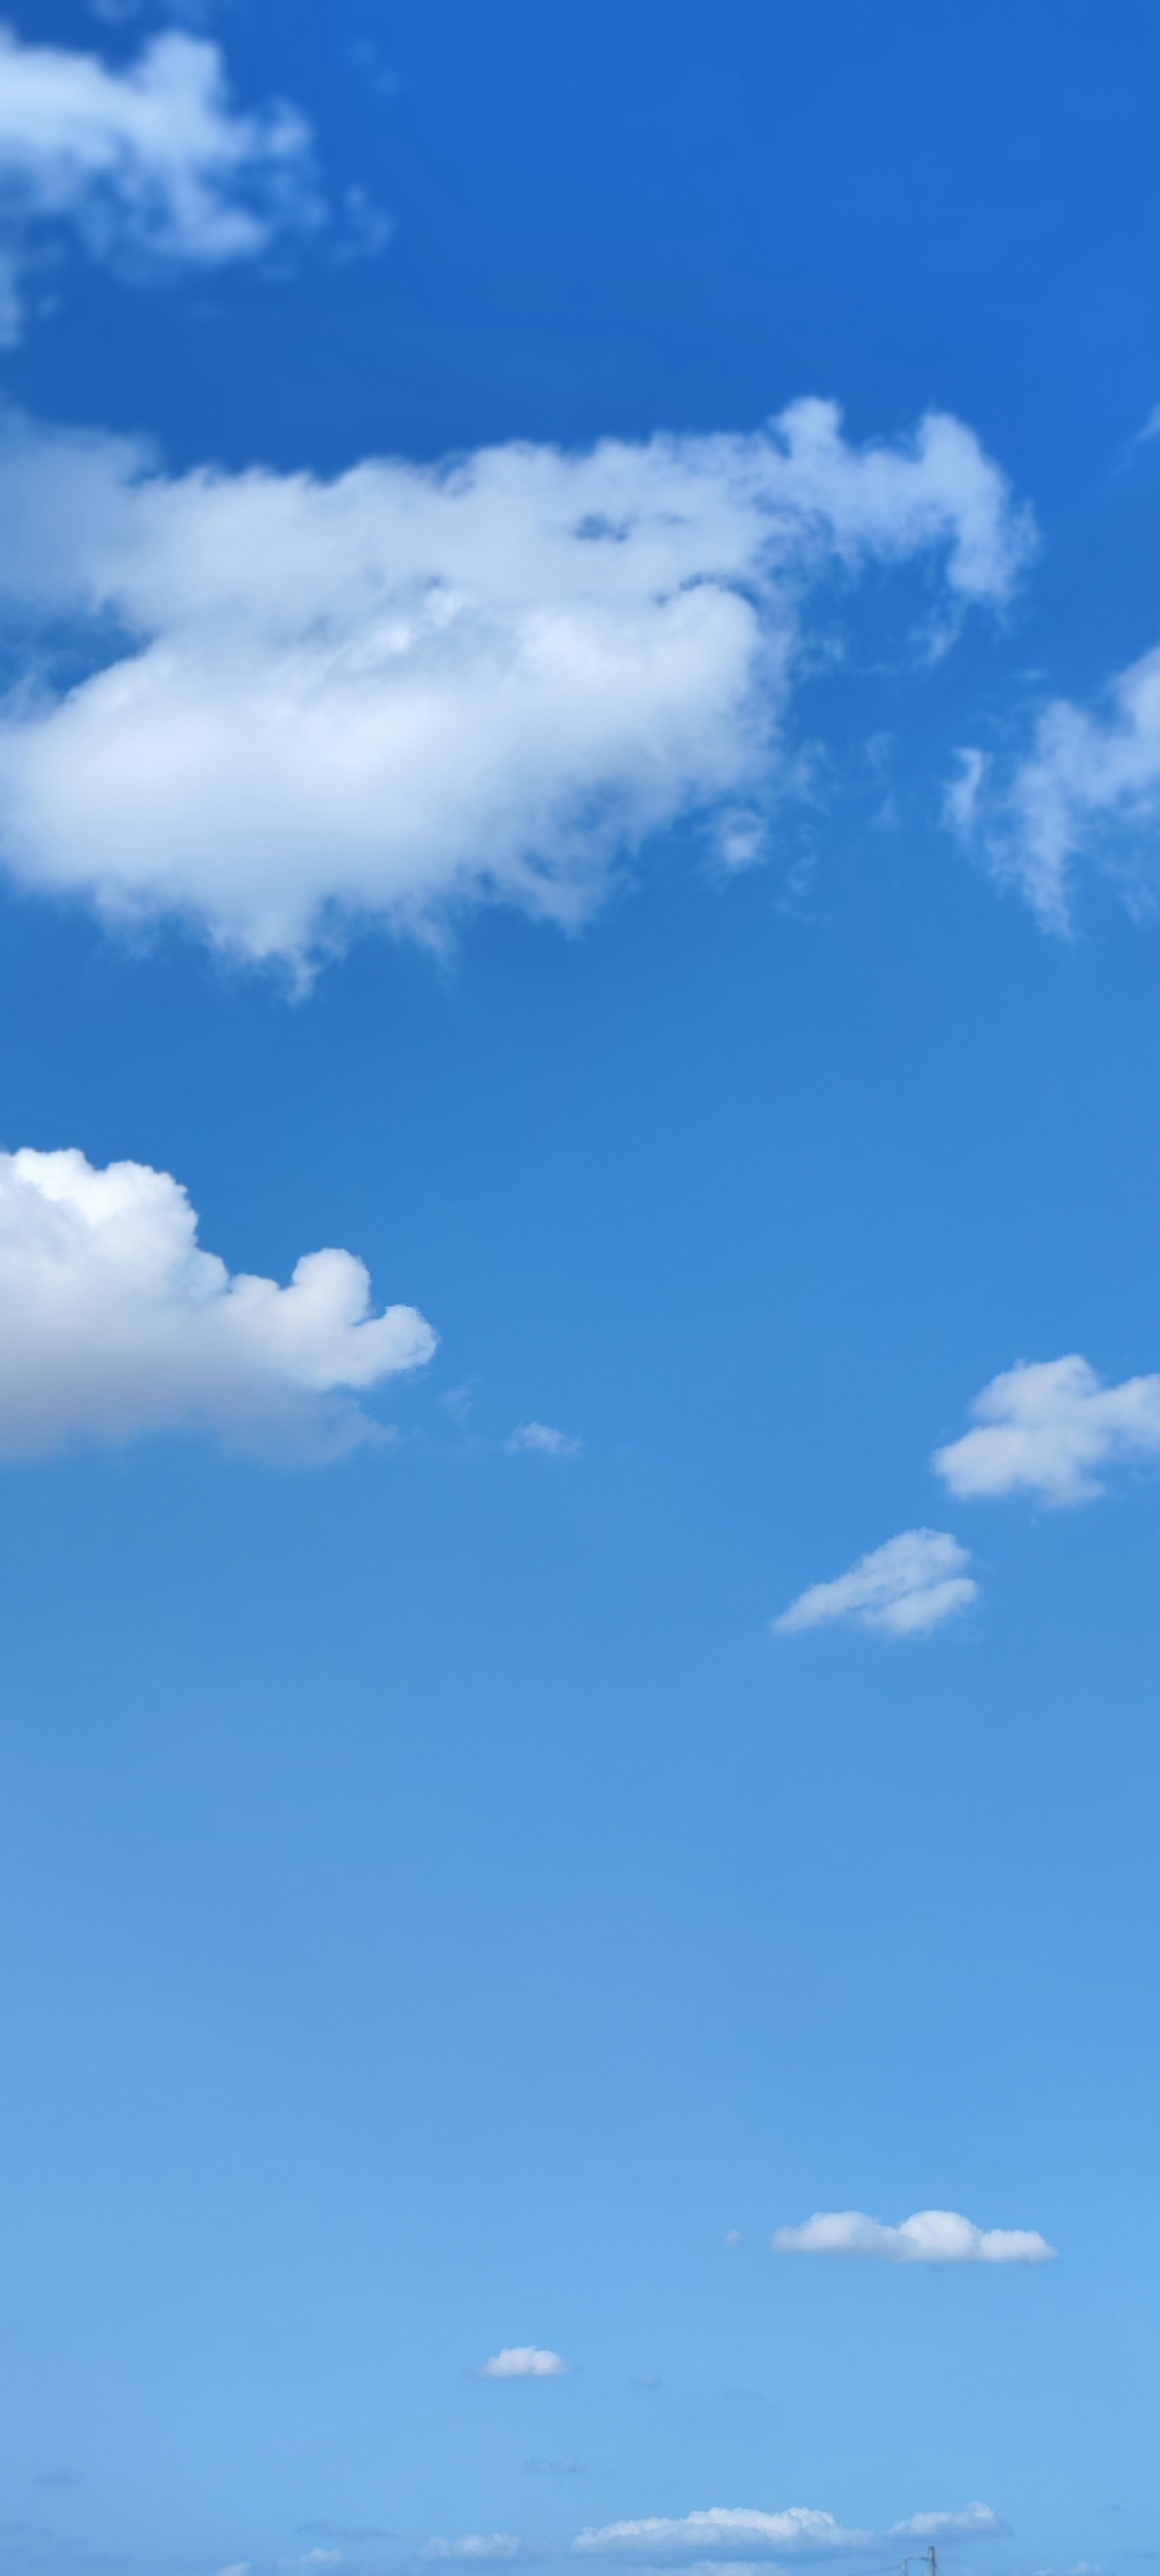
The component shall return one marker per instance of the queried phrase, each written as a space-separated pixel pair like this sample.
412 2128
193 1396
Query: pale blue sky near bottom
437 1910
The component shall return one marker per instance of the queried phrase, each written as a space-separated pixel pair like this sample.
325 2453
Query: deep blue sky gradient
435 1907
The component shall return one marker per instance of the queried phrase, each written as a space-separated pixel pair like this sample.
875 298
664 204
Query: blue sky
659 886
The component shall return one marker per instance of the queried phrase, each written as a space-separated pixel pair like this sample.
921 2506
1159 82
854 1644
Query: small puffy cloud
145 165
1046 1426
724 2535
475 2545
306 705
524 2361
904 1589
115 1323
543 1437
931 2236
1087 788
975 2522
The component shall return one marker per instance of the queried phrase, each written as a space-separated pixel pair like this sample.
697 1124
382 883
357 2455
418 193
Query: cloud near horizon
725 2534
903 1589
115 1323
1045 1426
148 167
931 2236
976 2522
524 2361
311 705
475 2546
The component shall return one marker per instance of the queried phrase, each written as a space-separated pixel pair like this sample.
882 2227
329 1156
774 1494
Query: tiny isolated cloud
975 2522
724 2535
905 1589
524 2361
309 704
544 1438
146 165
114 1322
475 2545
931 2236
1046 1426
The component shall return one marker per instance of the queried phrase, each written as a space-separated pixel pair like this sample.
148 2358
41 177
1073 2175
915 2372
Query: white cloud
725 2534
382 697
976 2522
903 1589
524 2361
475 2545
113 1322
149 163
1088 788
542 1436
1045 1426
931 2236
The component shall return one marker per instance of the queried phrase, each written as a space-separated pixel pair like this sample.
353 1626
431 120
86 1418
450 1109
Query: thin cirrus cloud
312 704
976 2522
148 166
1046 1427
524 2361
931 2236
114 1322
1086 789
905 1589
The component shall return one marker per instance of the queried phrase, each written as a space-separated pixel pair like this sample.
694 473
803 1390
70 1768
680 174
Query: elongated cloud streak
524 2361
931 2236
417 687
976 2522
725 2533
114 1322
904 1589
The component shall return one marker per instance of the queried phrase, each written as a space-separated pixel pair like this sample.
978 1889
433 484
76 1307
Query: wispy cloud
1087 788
524 2361
542 1436
975 2522
904 1589
147 165
475 2545
931 2236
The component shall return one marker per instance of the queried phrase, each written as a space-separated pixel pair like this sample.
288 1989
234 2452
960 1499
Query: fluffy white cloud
1046 1425
544 1437
475 2545
976 2522
150 163
725 2534
1088 788
931 2236
903 1589
414 686
113 1321
524 2361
